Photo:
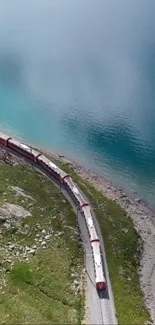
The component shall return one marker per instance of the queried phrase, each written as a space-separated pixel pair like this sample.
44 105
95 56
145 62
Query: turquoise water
79 77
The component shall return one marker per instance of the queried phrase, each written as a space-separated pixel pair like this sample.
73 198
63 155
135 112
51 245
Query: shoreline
142 216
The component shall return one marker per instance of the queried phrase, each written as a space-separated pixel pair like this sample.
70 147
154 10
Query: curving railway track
100 307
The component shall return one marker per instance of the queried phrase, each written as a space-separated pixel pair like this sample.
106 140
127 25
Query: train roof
88 212
24 146
20 144
90 222
52 165
98 262
75 189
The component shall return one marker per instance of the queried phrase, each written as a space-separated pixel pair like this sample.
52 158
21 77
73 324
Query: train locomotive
56 172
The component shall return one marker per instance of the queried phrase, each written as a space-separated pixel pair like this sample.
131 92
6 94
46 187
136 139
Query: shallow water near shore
79 79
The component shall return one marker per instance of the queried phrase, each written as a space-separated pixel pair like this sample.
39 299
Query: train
76 194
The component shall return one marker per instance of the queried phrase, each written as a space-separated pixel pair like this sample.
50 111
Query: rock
11 247
125 230
43 231
20 192
34 247
8 261
43 243
32 251
13 212
60 233
47 237
21 232
72 275
76 282
64 201
138 200
7 225
123 195
121 270
2 219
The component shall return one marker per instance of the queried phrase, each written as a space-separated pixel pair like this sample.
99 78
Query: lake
79 77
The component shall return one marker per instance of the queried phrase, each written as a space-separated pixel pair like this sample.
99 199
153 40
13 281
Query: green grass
38 289
122 251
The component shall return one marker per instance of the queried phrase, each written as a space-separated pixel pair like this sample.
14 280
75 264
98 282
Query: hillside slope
41 259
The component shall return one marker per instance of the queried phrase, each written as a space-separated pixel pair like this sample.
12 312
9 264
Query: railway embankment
41 258
127 226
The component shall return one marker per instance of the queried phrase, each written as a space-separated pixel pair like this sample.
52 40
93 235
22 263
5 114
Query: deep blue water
79 77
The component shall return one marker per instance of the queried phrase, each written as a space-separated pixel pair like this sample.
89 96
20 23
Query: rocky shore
143 218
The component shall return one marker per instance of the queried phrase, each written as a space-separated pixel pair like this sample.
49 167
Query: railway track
100 309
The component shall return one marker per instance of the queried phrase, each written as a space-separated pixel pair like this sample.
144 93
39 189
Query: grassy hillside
41 260
122 251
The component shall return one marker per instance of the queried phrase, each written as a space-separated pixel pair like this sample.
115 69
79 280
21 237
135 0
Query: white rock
43 243
32 251
47 236
125 230
76 282
60 233
11 247
72 275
